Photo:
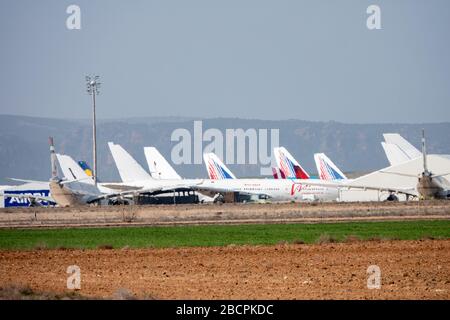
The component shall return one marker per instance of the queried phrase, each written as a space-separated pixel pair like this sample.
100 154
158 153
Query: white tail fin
407 148
129 169
158 165
326 169
394 154
72 170
289 167
217 170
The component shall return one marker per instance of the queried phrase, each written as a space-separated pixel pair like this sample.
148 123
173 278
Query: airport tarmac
222 214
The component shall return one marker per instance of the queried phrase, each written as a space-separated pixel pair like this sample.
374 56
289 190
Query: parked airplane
412 177
223 180
33 193
134 176
429 185
160 168
328 172
79 188
75 171
128 174
55 185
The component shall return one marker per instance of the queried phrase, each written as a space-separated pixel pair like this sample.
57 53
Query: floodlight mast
92 86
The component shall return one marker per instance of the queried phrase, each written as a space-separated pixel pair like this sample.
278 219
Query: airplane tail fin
86 168
394 154
407 148
158 165
289 167
217 170
326 169
72 170
129 168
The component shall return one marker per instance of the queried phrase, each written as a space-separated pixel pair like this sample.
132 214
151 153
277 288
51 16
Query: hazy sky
312 60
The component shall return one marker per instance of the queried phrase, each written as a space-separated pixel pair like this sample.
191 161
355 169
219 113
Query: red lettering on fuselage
296 187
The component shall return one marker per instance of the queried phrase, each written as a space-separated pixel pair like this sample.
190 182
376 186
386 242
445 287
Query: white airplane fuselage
275 189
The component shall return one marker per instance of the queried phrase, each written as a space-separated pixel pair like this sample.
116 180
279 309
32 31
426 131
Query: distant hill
353 147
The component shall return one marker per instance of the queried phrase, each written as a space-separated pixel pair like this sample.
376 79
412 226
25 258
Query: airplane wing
409 192
122 187
350 185
26 181
136 192
205 189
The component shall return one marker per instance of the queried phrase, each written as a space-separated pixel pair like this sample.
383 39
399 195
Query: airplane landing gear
392 197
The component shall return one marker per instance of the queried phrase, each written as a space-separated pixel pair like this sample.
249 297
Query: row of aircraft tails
412 174
287 167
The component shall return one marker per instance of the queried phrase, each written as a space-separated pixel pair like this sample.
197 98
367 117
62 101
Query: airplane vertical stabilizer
158 165
326 169
72 170
394 138
129 169
217 170
394 154
289 167
86 168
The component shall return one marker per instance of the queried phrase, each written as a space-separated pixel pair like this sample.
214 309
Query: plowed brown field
409 270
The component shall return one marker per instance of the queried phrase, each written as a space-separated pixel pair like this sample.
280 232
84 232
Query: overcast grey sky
312 60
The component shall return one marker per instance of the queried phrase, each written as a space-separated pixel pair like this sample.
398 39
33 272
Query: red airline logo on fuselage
296 187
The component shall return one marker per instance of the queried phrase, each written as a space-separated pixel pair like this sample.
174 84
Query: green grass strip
218 235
